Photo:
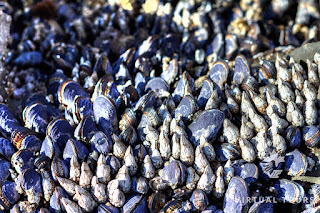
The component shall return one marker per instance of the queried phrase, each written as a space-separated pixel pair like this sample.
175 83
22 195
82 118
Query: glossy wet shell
248 171
264 206
157 84
174 173
235 199
105 114
8 122
219 73
241 69
136 204
156 202
35 117
186 107
295 163
68 90
59 131
207 124
289 191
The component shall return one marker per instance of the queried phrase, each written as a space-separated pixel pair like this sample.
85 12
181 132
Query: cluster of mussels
141 113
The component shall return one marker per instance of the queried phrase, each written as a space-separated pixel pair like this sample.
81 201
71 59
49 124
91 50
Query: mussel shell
107 87
156 84
266 71
35 117
135 204
311 135
8 195
8 122
103 66
175 173
157 201
68 90
102 208
30 179
54 83
207 124
199 200
101 143
128 119
82 108
235 199
171 206
6 148
185 80
59 131
293 136
219 73
227 151
205 93
186 107
59 169
139 185
139 83
55 200
241 69
140 152
49 148
32 143
22 160
74 148
145 101
105 114
295 163
42 163
85 129
114 163
4 168
263 206
248 171
289 191
129 136
231 45
249 83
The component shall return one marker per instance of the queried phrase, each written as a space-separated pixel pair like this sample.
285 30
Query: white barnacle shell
228 172
67 185
230 132
176 128
124 179
278 124
279 143
219 187
48 185
213 101
313 77
206 180
103 171
187 151
236 93
207 149
285 93
70 206
294 115
85 200
98 190
192 178
119 147
262 145
75 169
310 93
258 121
130 161
175 146
200 162
310 113
115 195
246 131
247 151
156 158
148 170
86 176
259 102
299 99
282 71
297 79
152 135
232 104
164 144
275 104
246 104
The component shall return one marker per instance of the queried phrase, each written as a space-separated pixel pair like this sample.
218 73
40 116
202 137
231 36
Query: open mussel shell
8 122
219 73
35 117
74 148
105 114
289 191
206 124
137 203
68 90
311 135
236 196
8 195
295 163
227 151
101 143
59 131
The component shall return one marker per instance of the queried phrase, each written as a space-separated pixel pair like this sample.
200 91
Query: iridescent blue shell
293 136
248 171
266 71
22 160
207 124
32 143
205 93
85 129
55 204
6 148
102 208
157 84
82 108
4 168
186 107
311 135
31 180
296 163
231 45
136 204
35 117
140 83
8 122
175 173
30 58
236 196
219 73
263 206
59 131
185 80
49 148
199 200
241 69
105 114
76 149
227 151
101 143
68 90
8 195
289 191
59 168
157 201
